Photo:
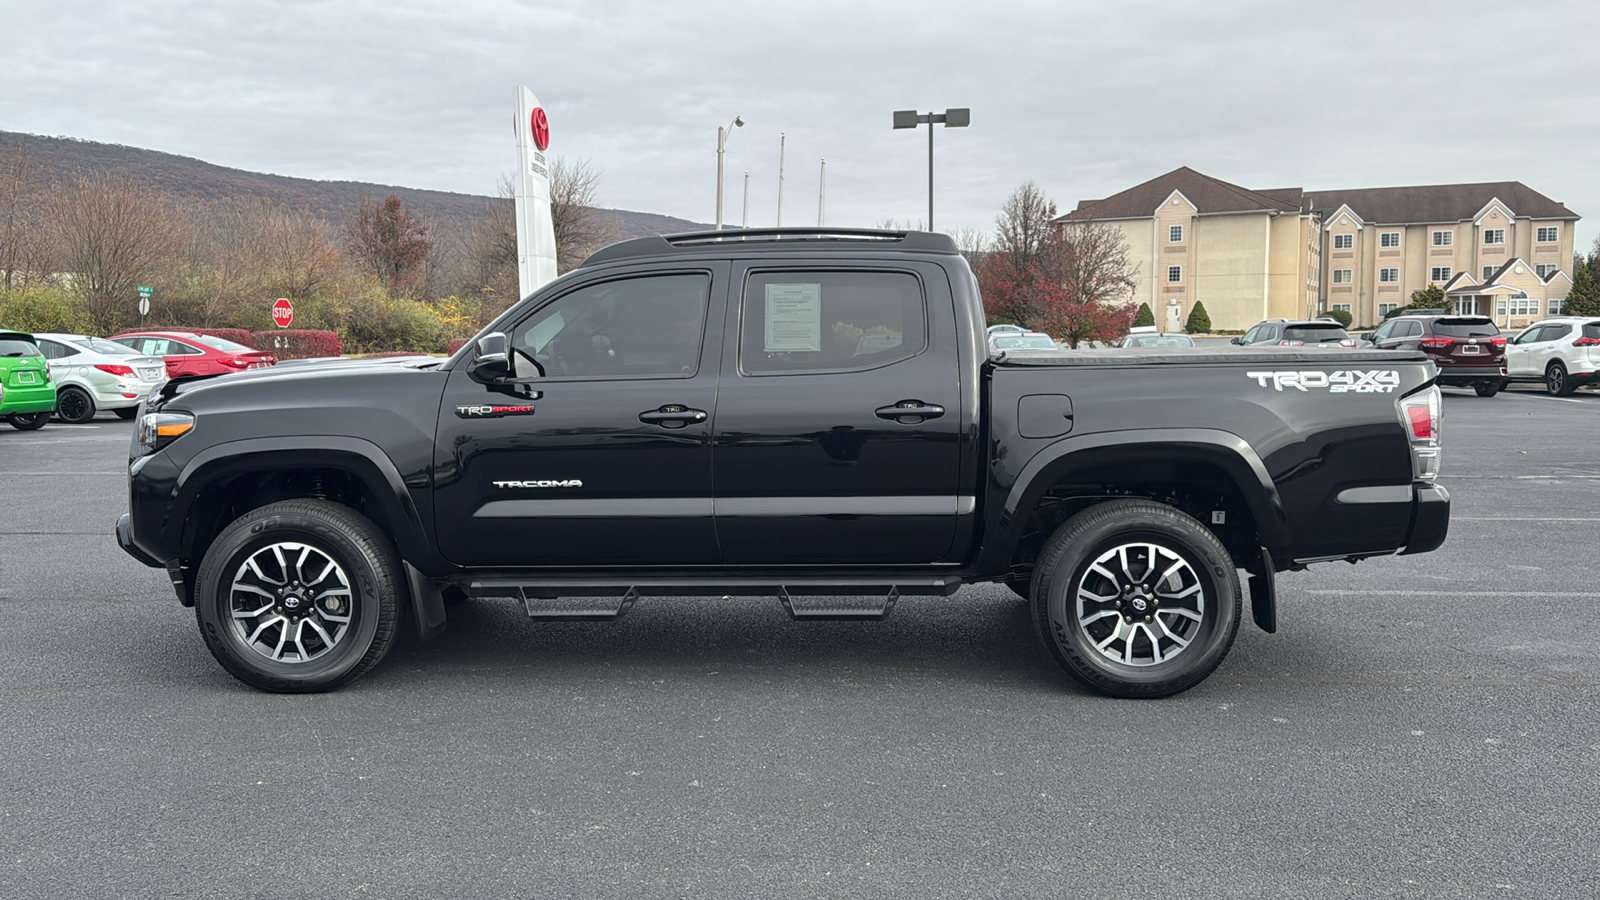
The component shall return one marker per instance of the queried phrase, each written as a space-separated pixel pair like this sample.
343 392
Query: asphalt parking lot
1418 727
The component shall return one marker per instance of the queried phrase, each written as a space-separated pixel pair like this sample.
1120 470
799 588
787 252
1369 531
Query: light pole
952 118
781 139
744 219
722 143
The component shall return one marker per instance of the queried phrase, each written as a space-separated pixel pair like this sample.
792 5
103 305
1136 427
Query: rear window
217 343
13 347
1465 327
1591 330
1314 333
109 348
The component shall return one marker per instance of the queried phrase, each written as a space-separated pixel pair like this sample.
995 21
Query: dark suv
1469 350
1324 333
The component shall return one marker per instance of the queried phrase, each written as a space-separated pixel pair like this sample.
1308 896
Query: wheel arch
1199 458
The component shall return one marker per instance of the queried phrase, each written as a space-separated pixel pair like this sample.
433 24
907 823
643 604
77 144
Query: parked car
685 415
1006 329
187 353
1325 334
1561 351
1029 340
1148 336
1469 350
93 373
27 397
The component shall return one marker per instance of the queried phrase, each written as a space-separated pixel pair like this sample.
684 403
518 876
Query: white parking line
1565 595
1544 397
36 474
1520 519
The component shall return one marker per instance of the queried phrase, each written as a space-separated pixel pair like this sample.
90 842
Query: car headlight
156 430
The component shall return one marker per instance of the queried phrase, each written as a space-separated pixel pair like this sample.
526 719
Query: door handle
910 412
672 415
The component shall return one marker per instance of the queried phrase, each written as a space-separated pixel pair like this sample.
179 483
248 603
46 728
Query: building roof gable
1206 194
1439 202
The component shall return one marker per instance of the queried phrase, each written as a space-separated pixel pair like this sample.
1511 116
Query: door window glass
647 327
53 350
1554 332
1383 331
830 321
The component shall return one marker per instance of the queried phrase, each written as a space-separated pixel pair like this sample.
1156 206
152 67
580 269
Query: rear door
601 453
1519 352
839 417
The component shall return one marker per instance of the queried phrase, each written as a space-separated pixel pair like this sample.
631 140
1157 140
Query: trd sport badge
493 412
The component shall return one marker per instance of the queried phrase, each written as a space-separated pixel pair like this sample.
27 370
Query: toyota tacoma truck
807 415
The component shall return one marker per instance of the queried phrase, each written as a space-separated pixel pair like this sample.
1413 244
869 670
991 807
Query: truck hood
333 370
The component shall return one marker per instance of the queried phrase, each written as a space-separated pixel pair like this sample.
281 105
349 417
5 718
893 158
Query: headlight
156 430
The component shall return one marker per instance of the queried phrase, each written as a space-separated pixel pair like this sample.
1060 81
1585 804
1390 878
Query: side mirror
492 363
1238 341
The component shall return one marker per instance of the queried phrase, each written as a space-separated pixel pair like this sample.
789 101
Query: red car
187 353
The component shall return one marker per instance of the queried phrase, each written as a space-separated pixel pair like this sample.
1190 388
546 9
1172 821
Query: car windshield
1024 342
109 348
1315 333
1159 340
1465 328
15 347
223 344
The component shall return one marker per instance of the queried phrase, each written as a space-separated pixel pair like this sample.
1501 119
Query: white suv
1561 351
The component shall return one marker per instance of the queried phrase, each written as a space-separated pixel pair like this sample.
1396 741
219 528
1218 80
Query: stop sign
282 312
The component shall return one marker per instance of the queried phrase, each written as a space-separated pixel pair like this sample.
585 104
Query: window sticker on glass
794 318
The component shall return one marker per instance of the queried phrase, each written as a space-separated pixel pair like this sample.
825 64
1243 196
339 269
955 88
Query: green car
27 397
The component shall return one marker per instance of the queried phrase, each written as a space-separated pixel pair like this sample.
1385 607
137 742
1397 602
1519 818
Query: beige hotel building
1500 249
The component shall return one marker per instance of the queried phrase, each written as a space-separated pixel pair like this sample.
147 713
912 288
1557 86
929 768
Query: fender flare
1223 449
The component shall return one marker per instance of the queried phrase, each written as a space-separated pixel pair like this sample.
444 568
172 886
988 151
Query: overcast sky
1085 99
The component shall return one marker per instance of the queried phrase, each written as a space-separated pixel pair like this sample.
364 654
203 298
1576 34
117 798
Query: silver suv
1561 351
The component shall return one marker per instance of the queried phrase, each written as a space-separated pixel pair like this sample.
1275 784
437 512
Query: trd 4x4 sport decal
1351 381
493 412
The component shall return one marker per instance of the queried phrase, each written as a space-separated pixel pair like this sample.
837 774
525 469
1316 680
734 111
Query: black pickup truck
801 414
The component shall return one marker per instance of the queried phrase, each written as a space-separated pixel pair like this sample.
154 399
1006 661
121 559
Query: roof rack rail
665 244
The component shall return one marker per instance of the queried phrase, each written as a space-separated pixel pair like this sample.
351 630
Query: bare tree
971 242
1023 226
113 236
24 248
580 228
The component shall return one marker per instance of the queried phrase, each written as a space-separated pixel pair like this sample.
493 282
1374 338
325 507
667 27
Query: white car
1561 351
93 374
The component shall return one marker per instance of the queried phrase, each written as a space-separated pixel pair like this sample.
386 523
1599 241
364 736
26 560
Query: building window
1174 274
1343 306
1388 276
1521 305
1174 233
1548 235
1385 308
1555 307
1439 274
1443 238
1487 271
1389 239
1341 276
1494 235
1545 270
1344 241
1500 307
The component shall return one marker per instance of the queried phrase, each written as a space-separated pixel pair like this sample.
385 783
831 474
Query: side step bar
808 599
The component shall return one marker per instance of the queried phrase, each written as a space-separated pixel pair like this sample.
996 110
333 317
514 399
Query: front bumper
124 532
1430 519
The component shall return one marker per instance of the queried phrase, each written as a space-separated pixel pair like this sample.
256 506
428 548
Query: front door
611 462
839 416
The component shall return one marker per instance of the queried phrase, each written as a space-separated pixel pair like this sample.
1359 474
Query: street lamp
952 118
722 142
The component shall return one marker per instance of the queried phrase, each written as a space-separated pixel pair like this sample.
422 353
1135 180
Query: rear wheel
28 421
1136 599
299 596
1487 388
126 412
1556 382
74 405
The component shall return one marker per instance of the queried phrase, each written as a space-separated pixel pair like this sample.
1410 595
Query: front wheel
1486 388
1136 599
28 421
74 405
1556 382
299 596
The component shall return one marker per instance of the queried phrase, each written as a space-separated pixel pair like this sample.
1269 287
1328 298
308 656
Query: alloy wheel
290 602
1140 604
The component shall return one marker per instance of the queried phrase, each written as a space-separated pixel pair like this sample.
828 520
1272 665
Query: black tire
126 412
1071 559
366 566
74 406
1486 388
28 421
1556 382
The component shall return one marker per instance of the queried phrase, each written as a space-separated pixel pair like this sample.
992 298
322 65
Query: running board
805 599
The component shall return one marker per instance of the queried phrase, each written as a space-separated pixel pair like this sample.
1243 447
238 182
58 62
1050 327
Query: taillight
1420 414
1586 342
235 362
1347 342
1500 341
120 371
1291 343
1436 343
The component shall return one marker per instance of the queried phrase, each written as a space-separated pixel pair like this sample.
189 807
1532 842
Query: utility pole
781 139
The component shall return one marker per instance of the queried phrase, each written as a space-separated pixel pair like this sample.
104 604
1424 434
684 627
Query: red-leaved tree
389 240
